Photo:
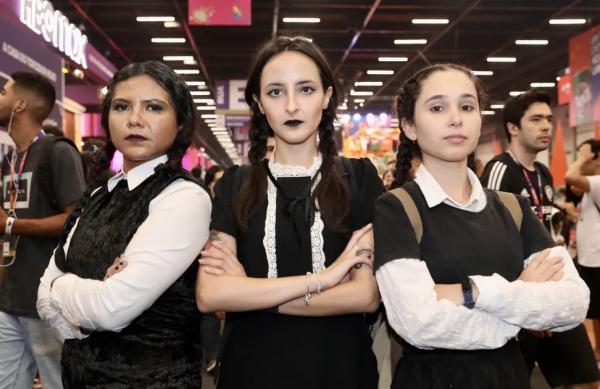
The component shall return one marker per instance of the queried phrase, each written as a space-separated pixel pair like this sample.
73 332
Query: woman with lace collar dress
291 251
133 324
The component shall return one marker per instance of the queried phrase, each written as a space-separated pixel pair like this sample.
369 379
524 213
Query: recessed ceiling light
359 100
430 21
542 84
206 108
368 83
482 72
515 93
205 101
168 40
567 21
501 59
392 59
380 72
200 93
360 93
532 42
488 112
208 116
178 58
195 83
410 41
301 20
187 71
155 19
172 24
497 106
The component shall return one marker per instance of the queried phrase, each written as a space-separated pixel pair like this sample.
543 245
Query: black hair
333 199
211 173
404 104
594 144
516 106
41 87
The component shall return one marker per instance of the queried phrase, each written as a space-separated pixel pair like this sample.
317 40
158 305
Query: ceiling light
187 71
342 108
168 40
155 19
410 41
368 83
488 112
178 58
482 72
208 116
501 59
515 93
190 62
359 100
301 20
206 108
195 83
532 42
360 93
542 85
392 59
567 21
380 72
430 21
172 24
497 106
205 101
200 93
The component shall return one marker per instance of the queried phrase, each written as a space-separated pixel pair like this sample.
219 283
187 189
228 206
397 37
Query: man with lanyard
565 358
30 224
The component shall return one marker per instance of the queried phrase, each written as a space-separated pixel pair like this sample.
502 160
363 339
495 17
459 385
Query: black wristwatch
468 294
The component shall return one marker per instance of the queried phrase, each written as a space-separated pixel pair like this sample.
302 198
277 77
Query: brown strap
411 211
512 204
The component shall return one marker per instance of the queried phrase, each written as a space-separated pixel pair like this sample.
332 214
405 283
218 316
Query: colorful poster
595 76
220 12
581 109
230 95
564 90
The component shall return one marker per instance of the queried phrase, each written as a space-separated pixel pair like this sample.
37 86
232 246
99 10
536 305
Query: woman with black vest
462 269
284 264
133 324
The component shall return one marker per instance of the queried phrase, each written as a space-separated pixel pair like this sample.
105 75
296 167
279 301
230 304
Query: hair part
516 106
404 104
252 193
38 87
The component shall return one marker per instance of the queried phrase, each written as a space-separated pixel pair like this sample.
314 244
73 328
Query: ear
19 106
409 129
327 97
260 107
512 128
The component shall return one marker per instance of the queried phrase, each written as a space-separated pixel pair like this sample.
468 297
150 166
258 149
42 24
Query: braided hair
331 193
408 150
181 99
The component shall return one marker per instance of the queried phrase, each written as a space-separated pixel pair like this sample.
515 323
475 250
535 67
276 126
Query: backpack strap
511 203
411 211
45 170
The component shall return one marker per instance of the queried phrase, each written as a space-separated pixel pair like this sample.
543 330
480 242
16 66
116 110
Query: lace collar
279 170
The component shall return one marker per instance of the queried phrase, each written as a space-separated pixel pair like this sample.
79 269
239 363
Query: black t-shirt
504 174
270 350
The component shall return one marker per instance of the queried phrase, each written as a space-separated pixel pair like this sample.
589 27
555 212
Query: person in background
212 176
120 285
41 181
584 175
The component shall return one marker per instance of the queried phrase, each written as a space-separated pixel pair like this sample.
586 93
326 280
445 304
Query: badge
549 192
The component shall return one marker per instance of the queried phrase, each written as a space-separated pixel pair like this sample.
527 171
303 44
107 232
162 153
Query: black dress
457 243
268 350
159 348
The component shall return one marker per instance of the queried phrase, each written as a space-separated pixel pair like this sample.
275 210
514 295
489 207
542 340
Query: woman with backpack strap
459 294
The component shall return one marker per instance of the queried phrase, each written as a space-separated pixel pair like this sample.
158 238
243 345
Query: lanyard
537 199
15 177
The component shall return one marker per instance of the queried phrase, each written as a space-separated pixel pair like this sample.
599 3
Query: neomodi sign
55 28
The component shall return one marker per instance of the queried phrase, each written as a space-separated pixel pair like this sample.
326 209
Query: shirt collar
137 175
435 195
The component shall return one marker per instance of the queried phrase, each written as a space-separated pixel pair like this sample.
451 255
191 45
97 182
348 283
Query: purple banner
222 94
595 70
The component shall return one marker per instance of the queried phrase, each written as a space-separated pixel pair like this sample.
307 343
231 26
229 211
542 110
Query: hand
3 217
218 259
450 292
117 266
585 153
352 256
543 268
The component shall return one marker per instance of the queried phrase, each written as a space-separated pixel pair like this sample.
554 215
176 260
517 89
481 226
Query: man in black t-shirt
565 358
34 210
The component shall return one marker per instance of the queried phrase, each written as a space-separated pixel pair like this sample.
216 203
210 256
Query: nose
455 117
134 119
291 103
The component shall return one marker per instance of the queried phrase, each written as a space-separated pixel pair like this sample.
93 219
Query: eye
154 107
436 108
274 92
307 89
467 108
119 107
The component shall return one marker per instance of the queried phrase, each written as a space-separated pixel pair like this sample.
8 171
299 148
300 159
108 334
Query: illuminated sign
55 28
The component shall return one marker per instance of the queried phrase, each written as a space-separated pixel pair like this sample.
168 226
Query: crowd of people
123 282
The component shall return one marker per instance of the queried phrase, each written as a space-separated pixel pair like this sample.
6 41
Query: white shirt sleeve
416 314
162 248
553 305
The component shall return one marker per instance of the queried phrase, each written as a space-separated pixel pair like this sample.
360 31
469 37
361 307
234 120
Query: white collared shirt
416 314
162 248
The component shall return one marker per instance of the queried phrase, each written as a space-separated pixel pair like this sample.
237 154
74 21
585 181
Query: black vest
160 346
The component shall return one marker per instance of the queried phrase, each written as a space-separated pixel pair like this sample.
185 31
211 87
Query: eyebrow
441 97
539 116
279 84
147 101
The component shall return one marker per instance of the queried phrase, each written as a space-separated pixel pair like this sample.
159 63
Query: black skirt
591 276
502 368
